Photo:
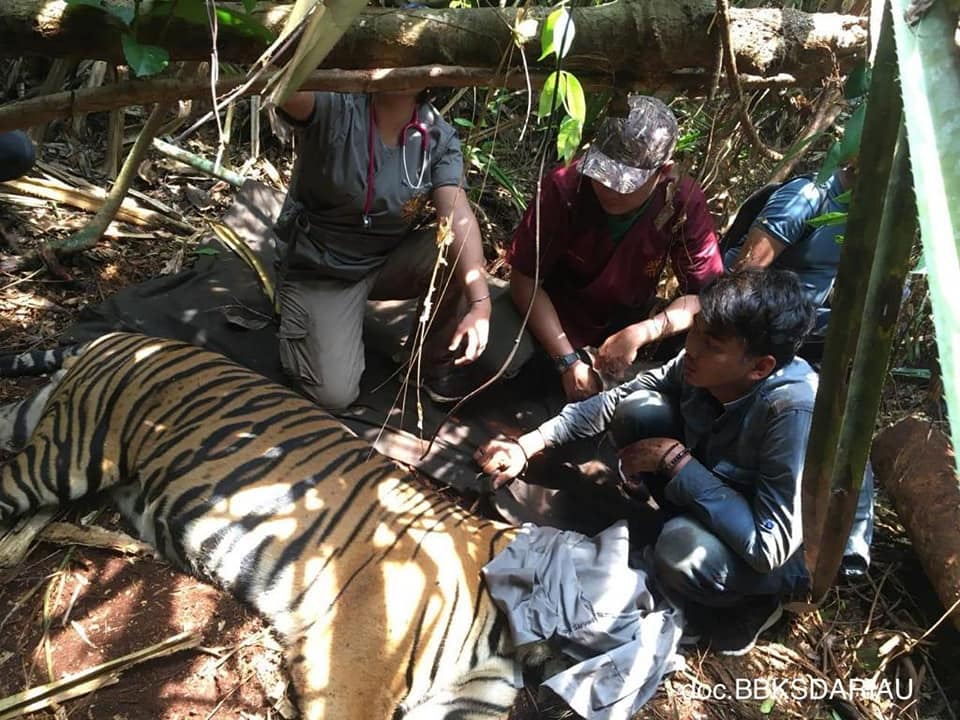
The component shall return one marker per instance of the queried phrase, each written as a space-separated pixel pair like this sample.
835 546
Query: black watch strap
563 362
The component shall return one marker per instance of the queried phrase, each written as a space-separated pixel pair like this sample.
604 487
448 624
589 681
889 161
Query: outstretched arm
619 351
467 251
579 380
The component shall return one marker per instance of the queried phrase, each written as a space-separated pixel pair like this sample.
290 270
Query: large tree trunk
638 44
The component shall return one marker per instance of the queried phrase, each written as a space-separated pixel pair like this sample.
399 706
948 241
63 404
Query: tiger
371 578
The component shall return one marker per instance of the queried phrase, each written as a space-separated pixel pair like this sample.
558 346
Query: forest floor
68 607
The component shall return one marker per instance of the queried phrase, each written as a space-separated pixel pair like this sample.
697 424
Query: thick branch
628 42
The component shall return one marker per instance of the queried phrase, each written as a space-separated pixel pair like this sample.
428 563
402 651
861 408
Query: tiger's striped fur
372 578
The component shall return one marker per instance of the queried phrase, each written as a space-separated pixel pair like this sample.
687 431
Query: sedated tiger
372 579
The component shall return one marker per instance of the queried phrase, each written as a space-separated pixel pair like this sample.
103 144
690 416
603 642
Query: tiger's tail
36 362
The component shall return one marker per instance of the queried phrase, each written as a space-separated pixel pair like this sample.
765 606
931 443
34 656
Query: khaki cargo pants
321 321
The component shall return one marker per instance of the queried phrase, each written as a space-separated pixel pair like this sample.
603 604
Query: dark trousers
17 154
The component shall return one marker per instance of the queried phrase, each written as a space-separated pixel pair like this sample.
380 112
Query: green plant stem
90 235
879 136
891 263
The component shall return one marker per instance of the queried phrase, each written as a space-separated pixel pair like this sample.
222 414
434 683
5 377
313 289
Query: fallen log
625 44
915 464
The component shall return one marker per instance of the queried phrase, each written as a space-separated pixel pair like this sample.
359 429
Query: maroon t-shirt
596 285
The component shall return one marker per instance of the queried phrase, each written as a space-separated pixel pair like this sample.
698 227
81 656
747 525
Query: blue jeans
17 154
692 563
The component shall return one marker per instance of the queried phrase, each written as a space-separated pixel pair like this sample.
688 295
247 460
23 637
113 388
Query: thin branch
733 77
27 113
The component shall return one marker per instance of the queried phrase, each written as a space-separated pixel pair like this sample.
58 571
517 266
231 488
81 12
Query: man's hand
580 381
644 456
502 460
619 351
472 333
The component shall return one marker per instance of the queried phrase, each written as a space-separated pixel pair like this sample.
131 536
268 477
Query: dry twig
733 77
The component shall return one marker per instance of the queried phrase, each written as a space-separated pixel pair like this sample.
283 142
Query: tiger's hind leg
487 692
329 682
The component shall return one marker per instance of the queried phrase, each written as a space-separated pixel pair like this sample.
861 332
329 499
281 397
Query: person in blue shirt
17 154
781 236
718 437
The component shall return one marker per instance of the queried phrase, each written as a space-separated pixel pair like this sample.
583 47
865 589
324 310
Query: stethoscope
415 182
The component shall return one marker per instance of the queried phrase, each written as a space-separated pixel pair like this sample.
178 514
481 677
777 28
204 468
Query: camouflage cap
626 151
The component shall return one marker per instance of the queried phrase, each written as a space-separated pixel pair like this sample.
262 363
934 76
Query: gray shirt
328 192
743 481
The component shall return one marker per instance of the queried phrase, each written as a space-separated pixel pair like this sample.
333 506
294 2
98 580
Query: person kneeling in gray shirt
718 437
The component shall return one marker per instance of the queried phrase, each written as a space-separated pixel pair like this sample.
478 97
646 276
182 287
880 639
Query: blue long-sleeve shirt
744 477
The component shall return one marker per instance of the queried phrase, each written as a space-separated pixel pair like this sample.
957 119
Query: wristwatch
563 362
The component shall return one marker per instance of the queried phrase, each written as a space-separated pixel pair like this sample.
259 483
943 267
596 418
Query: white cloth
582 594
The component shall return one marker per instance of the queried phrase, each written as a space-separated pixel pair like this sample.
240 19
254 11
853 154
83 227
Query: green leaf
547 93
563 32
557 23
144 60
463 122
249 5
767 705
828 218
858 81
845 196
574 99
929 75
204 251
568 138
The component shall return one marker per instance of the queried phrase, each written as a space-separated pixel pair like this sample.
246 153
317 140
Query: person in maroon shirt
608 224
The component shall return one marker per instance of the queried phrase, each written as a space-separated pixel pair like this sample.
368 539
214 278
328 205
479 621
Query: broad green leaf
557 23
568 138
573 98
766 707
828 218
563 32
930 82
552 85
845 196
144 60
463 122
249 5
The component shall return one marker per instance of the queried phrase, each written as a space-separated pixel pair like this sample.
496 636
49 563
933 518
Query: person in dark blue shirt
783 237
17 154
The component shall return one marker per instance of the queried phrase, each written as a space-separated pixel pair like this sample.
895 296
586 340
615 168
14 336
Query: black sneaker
734 631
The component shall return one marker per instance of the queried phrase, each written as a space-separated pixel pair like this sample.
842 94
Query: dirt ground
66 608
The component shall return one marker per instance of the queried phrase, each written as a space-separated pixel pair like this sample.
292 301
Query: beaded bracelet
668 468
663 458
